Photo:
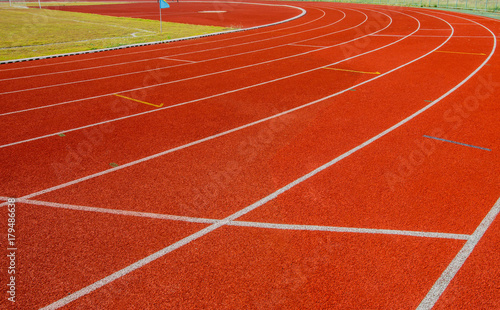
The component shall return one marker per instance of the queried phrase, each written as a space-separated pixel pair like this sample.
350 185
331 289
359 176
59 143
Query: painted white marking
435 29
212 12
119 212
169 217
306 45
351 230
181 60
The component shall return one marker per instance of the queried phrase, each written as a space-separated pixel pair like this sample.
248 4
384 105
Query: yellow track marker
337 69
154 105
479 54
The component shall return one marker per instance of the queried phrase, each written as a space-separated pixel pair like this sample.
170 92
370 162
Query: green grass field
33 32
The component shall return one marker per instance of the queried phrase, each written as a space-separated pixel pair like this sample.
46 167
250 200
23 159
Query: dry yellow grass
33 32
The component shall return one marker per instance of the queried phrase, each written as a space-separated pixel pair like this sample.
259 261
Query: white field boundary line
168 249
303 12
158 68
248 224
174 55
449 273
225 132
160 49
204 98
188 78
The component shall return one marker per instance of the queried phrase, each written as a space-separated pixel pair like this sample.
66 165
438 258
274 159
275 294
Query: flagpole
159 5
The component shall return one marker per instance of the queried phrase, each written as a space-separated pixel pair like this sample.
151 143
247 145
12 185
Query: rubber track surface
347 159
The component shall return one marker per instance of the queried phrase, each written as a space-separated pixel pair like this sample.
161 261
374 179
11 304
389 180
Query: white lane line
449 273
169 217
187 240
194 100
306 45
351 230
444 280
181 60
164 48
118 212
435 29
159 68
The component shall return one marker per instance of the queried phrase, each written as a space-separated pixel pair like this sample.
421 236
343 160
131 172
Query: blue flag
164 4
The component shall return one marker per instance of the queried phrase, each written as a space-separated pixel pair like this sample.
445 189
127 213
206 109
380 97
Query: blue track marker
459 143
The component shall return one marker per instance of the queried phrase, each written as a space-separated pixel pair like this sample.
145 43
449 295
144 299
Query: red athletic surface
402 181
235 14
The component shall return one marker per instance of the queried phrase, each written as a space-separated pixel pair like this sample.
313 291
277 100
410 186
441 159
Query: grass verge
28 33
76 3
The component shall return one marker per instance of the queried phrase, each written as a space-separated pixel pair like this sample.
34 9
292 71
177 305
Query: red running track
290 167
217 13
